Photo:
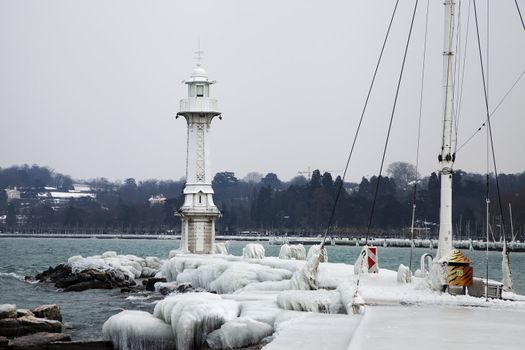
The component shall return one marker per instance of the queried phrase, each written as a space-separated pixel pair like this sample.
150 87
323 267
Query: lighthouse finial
199 54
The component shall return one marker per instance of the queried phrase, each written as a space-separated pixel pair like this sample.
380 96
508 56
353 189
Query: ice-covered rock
253 251
138 330
178 264
163 309
220 275
194 315
238 333
109 254
403 274
321 301
173 253
238 275
292 251
165 288
129 265
220 248
261 310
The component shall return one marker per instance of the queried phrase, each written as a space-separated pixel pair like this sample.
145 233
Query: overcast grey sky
91 88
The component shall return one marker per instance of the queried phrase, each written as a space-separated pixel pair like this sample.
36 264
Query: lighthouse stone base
198 231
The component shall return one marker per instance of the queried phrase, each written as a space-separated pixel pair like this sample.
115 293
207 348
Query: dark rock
150 283
54 273
3 342
63 277
184 287
16 327
51 312
7 311
37 341
81 345
78 287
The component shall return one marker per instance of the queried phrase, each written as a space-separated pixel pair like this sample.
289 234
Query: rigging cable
459 100
390 125
508 91
455 79
339 190
489 130
418 139
493 111
519 13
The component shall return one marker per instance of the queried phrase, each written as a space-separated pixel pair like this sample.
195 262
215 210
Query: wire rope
414 197
390 123
339 190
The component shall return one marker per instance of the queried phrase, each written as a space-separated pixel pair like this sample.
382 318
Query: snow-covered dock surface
448 328
315 331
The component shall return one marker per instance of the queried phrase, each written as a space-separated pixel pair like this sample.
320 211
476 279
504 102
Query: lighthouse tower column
198 213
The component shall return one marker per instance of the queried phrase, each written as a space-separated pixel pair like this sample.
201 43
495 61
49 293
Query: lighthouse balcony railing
199 104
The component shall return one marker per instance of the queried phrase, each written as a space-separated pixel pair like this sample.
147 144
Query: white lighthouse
198 213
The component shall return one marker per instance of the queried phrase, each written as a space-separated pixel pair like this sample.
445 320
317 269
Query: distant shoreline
278 240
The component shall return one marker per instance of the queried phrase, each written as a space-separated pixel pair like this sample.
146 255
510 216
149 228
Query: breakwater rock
72 281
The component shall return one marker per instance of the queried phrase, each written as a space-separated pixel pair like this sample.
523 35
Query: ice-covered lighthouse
198 213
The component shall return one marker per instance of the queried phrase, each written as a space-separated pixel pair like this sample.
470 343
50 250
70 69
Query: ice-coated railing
199 104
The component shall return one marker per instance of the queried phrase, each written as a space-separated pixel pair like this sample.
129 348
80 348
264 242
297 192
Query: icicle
505 267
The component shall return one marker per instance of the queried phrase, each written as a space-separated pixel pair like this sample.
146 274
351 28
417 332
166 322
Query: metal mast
447 156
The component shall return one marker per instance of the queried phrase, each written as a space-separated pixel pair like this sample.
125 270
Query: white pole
447 156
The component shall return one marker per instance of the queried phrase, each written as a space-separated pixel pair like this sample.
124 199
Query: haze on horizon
91 89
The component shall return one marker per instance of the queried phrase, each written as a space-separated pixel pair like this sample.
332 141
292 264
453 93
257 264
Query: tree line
265 203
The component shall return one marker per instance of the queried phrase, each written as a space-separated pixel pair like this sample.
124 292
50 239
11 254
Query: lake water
85 312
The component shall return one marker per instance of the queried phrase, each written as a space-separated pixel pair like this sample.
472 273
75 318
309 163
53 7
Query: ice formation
138 330
292 251
221 275
321 301
220 248
403 274
129 265
314 250
192 316
259 297
505 270
425 264
238 333
253 251
307 276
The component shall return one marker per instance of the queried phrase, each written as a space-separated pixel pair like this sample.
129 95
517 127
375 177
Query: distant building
81 188
58 197
12 194
157 200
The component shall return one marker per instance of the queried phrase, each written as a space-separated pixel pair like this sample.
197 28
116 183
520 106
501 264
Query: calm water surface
85 312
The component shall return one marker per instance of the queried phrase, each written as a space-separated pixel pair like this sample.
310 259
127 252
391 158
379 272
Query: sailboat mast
447 156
